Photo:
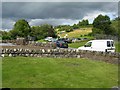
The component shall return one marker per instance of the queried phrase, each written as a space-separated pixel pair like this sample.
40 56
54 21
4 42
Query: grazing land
77 33
31 72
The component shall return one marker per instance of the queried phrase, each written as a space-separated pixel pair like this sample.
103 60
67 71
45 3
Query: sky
54 13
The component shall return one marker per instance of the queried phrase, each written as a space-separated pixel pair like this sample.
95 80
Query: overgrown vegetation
31 72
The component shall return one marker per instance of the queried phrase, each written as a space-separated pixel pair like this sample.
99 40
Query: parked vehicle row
92 45
68 40
61 42
78 39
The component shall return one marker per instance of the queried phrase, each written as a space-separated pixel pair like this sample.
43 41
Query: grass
77 33
31 72
117 45
77 44
42 40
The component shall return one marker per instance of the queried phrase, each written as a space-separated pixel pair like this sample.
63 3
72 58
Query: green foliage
102 25
75 26
21 29
40 32
97 31
66 28
117 46
5 35
83 23
115 26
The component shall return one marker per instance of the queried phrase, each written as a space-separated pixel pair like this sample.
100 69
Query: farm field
31 72
77 33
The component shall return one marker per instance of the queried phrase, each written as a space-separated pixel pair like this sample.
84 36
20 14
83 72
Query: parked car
68 40
99 45
76 40
53 40
61 44
48 39
84 38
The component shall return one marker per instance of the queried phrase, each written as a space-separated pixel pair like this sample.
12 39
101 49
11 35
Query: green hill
77 32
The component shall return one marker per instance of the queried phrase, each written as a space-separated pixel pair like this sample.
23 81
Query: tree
103 23
66 28
21 29
83 23
5 35
75 26
40 32
48 30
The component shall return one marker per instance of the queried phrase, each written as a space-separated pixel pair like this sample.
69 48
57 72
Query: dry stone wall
62 53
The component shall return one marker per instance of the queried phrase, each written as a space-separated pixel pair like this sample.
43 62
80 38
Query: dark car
68 40
61 44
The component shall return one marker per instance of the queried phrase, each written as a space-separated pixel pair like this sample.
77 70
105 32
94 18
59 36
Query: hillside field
77 32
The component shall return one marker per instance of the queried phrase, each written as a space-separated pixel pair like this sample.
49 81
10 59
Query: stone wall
30 43
62 53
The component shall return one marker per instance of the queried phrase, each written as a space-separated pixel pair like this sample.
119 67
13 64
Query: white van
99 45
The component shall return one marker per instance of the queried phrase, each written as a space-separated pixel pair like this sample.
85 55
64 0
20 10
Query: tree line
22 29
101 25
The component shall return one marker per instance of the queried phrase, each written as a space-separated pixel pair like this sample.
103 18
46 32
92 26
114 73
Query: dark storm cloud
54 12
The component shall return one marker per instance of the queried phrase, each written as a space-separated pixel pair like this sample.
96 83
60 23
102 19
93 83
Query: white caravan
99 45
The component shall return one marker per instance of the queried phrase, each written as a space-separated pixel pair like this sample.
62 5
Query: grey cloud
53 21
7 23
52 12
60 1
